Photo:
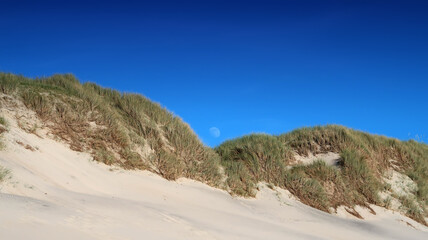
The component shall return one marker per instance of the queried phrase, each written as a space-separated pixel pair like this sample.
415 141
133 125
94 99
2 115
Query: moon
215 132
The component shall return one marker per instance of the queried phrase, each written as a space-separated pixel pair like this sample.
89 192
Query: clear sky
230 68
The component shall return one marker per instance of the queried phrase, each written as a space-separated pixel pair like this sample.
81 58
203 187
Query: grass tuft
4 174
412 209
3 121
251 159
360 177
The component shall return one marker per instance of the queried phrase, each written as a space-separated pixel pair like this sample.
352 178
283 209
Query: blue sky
238 66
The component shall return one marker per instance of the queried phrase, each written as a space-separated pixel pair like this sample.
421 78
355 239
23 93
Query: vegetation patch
127 125
251 159
356 180
412 209
3 121
4 174
3 128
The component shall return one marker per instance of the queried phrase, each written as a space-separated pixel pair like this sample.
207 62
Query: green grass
3 121
309 190
251 159
360 178
324 181
9 82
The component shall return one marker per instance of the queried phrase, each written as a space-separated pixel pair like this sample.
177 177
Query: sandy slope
55 193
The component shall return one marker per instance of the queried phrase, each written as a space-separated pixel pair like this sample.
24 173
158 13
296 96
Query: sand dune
56 193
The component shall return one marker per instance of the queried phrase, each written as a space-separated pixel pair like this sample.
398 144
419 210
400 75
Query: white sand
330 158
400 184
55 193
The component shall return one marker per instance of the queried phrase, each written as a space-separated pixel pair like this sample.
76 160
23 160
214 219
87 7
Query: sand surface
330 158
56 193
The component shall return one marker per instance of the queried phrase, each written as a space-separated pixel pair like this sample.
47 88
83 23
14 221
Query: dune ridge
75 154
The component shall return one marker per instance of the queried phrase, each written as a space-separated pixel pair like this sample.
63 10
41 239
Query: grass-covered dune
123 129
130 131
358 179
